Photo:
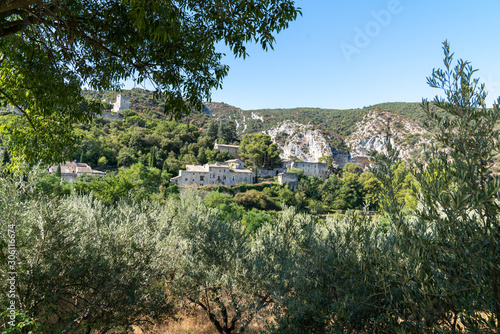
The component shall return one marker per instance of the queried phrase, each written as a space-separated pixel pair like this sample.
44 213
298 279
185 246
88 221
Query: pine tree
227 133
212 129
152 157
220 134
5 157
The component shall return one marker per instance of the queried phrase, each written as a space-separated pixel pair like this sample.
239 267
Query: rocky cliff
369 135
299 141
347 136
305 142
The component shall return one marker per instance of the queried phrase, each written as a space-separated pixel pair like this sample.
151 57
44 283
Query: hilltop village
259 160
226 173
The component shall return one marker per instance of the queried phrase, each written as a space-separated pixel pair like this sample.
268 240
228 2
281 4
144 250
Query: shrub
81 266
254 199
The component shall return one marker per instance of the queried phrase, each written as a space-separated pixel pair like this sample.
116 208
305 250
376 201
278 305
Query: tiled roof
241 171
196 168
86 169
219 166
75 168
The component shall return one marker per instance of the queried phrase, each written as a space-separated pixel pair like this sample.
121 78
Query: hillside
349 135
142 100
309 133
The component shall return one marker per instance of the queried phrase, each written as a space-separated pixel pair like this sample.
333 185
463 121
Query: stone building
318 169
268 173
122 103
228 173
291 178
232 149
71 170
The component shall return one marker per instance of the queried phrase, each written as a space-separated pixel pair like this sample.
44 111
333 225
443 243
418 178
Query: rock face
299 141
369 136
255 116
110 115
308 143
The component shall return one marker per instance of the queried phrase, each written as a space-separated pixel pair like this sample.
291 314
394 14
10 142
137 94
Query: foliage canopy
259 151
50 49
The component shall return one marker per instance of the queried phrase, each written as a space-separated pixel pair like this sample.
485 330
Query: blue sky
351 54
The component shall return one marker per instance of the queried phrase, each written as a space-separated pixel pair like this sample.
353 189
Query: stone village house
70 170
291 178
233 172
227 173
310 169
232 149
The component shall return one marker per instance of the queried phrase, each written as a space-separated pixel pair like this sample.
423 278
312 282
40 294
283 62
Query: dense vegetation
156 148
51 49
427 263
144 101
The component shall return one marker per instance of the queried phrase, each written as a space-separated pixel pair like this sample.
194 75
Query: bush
135 120
128 113
50 184
254 199
217 200
81 266
254 219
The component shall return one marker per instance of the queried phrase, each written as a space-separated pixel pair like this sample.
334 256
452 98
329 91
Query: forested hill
141 100
335 123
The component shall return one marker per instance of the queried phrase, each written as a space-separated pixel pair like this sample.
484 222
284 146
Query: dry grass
197 322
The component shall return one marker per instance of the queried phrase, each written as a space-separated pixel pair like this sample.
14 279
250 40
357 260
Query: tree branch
12 27
16 106
6 5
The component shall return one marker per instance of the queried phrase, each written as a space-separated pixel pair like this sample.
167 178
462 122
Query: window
202 178
185 179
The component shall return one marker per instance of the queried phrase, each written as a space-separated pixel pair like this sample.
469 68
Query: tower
122 103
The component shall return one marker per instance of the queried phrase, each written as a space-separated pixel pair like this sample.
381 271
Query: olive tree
435 270
211 266
80 266
459 194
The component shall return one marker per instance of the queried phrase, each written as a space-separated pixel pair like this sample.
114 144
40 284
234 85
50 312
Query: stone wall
216 174
232 149
289 178
122 103
318 169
